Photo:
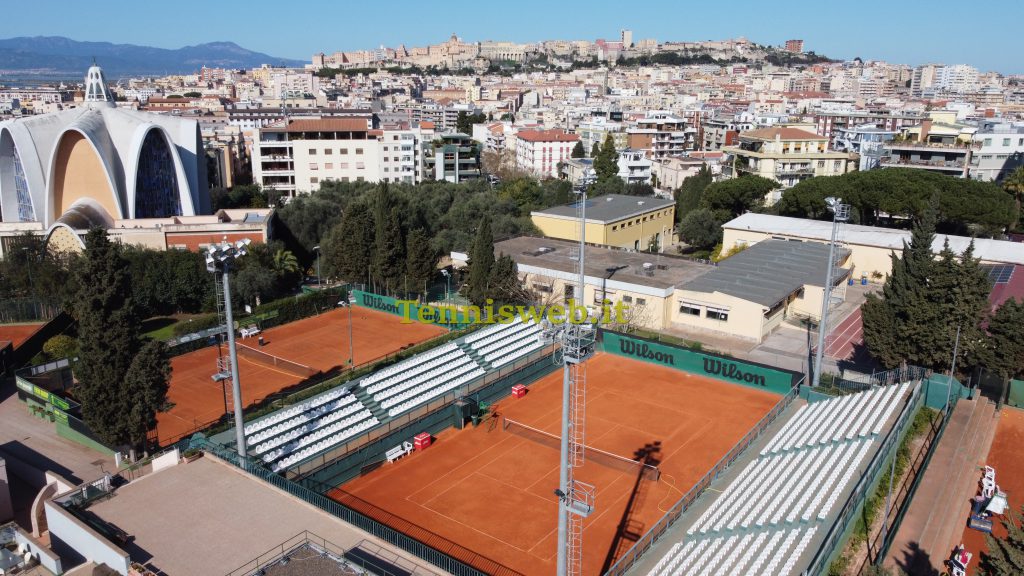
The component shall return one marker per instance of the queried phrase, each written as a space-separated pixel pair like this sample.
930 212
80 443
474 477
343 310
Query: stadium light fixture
219 258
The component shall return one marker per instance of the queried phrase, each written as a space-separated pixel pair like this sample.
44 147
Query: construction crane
576 498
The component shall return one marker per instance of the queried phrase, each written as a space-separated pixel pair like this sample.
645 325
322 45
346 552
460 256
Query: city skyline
328 27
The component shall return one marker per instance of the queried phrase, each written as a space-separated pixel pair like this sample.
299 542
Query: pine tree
348 247
421 260
595 149
1005 556
606 162
578 151
970 307
146 385
504 286
481 261
108 337
389 247
1004 353
688 194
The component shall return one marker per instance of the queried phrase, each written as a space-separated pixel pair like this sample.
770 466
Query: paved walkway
942 502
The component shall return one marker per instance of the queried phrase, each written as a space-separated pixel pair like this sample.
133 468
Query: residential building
998 150
718 132
794 46
634 167
670 172
867 141
632 222
541 151
577 170
788 156
452 158
828 123
939 144
595 129
661 134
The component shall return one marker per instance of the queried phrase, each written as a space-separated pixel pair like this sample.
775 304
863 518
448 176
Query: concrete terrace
207 517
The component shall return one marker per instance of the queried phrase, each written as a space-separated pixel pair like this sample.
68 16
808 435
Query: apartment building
998 150
596 129
540 151
828 123
939 144
787 155
661 134
296 155
634 166
452 158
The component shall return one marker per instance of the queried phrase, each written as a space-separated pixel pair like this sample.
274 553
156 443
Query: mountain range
59 55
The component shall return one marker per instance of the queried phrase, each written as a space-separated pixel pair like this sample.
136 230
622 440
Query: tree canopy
701 229
887 197
606 163
730 198
689 193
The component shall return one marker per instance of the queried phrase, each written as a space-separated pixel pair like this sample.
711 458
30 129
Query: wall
647 307
6 506
705 364
625 233
746 319
46 557
72 538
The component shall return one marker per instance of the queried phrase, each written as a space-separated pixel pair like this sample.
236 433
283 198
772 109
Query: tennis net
262 357
595 455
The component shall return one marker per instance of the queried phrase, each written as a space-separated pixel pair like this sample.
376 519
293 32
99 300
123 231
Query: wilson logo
378 303
641 350
732 371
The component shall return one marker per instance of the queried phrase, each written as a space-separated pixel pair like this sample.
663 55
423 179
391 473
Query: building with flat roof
539 152
631 222
203 517
745 296
870 246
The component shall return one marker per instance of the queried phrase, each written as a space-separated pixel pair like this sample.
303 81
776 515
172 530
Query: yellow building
745 296
787 155
632 222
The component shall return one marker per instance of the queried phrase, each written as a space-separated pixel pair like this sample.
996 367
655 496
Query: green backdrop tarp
412 311
701 363
1016 397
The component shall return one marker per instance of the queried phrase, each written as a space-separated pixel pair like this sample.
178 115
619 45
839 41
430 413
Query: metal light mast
576 498
840 214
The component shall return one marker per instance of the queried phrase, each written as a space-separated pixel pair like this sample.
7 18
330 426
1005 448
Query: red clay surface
491 491
320 342
848 334
1005 457
17 333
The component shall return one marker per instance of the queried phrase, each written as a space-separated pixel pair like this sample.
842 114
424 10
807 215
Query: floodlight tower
576 498
219 258
840 214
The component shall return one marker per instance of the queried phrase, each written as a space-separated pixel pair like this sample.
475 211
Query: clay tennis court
320 342
17 333
1004 456
491 491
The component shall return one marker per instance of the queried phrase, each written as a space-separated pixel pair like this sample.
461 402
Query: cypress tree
421 260
389 247
108 338
146 385
348 247
503 285
578 151
1004 352
595 150
481 261
606 163
1005 556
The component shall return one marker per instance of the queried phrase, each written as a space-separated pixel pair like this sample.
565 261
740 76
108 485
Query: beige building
745 296
870 247
788 156
630 222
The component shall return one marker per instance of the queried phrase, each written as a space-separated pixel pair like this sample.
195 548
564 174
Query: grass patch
162 327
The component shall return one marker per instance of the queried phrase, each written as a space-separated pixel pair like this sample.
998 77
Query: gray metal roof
611 207
767 272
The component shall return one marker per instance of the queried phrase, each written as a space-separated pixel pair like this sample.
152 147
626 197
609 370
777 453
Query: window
359 179
359 150
312 165
329 166
314 180
385 148
546 288
360 165
344 178
821 163
627 299
689 309
615 227
988 142
986 156
312 151
343 165
343 151
837 165
641 302
328 151
717 314
1006 141
1020 142
386 169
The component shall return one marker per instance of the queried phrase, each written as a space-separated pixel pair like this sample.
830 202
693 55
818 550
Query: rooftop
753 274
663 271
995 251
207 517
546 136
609 208
320 125
783 133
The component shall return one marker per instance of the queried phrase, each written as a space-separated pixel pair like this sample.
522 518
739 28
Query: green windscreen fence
410 311
1016 397
701 363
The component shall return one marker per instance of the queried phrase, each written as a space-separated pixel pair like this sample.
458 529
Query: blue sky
983 34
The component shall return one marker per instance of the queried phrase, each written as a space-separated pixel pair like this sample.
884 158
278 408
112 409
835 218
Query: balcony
953 148
795 171
938 165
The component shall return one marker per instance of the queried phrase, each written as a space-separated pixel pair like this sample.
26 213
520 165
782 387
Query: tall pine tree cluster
122 377
490 278
924 301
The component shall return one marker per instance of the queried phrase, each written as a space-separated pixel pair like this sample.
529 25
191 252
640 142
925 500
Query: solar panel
999 273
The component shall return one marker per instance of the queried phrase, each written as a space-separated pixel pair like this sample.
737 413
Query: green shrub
60 346
195 324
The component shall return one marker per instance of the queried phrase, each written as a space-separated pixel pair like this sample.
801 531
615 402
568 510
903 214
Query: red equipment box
421 441
518 391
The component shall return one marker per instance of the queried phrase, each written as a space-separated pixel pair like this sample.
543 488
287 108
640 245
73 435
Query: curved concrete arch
181 176
14 137
60 165
64 232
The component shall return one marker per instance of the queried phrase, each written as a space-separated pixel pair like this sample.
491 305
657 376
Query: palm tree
1014 184
285 262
